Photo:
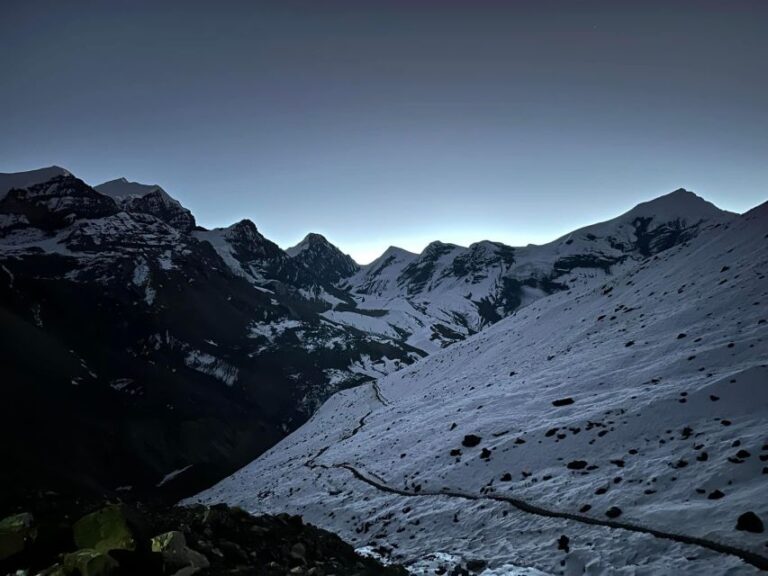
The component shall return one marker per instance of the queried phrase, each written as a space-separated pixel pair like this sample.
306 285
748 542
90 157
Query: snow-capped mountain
30 178
327 263
449 292
52 204
245 251
134 346
148 199
618 427
219 341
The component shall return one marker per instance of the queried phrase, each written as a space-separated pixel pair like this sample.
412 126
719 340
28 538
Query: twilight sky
394 122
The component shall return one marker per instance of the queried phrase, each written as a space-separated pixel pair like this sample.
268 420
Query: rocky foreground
117 539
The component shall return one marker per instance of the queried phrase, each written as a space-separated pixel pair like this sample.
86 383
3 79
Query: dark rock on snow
750 522
470 440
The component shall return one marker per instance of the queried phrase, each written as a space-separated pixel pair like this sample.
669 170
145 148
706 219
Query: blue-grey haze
394 122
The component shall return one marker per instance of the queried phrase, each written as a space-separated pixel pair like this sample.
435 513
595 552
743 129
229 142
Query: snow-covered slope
448 292
617 427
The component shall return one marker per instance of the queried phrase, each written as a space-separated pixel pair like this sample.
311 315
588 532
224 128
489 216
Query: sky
394 122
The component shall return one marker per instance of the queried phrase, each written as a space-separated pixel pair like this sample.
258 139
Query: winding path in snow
379 396
756 560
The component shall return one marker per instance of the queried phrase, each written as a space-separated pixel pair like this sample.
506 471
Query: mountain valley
515 409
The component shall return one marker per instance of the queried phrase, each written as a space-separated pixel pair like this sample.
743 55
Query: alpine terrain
142 353
603 409
488 407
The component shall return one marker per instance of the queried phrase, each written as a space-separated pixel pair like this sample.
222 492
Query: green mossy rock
15 531
173 546
104 530
89 562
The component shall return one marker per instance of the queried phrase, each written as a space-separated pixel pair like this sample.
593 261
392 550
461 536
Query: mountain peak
149 199
326 261
436 249
12 180
245 230
311 240
315 239
245 224
395 251
120 188
680 203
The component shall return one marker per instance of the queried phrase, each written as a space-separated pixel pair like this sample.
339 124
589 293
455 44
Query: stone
476 565
750 522
299 552
15 532
173 547
89 562
104 530
613 512
563 402
471 440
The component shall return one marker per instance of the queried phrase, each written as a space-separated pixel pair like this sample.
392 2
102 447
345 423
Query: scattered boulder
564 544
176 554
750 522
577 464
88 562
471 440
15 532
613 512
104 530
562 402
299 552
476 565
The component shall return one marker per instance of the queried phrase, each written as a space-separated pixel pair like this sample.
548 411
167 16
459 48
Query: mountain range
616 426
167 355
